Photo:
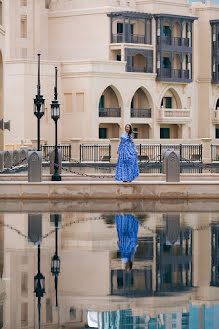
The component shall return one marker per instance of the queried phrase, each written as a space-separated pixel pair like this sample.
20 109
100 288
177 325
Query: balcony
109 112
173 41
140 113
173 74
174 115
134 38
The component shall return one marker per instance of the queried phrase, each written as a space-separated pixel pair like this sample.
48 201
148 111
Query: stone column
114 142
206 150
75 148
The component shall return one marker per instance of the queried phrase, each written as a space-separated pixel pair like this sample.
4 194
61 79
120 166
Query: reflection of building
173 256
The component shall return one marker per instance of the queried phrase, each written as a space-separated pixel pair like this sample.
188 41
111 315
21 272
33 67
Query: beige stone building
150 63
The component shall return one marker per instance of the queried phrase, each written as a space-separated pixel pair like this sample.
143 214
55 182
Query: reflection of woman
127 165
127 230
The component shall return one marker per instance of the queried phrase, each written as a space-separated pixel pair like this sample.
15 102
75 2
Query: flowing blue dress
127 230
127 164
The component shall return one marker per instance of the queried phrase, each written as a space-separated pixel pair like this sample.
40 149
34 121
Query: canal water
108 268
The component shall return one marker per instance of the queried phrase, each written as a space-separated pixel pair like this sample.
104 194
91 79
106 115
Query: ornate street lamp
55 115
55 261
39 285
39 106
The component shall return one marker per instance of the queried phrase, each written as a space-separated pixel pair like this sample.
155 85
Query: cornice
119 75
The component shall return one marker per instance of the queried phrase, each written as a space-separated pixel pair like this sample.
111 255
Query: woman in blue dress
127 231
127 164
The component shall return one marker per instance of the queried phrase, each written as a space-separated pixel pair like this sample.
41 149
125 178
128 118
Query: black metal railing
133 38
65 149
95 153
145 69
177 73
174 41
155 152
214 152
140 113
109 112
173 73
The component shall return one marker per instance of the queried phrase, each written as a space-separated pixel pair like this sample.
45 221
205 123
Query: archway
171 100
139 63
140 105
109 105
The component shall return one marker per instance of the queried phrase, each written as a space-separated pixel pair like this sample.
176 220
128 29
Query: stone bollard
172 159
16 158
114 142
34 166
52 160
23 156
1 161
7 159
206 150
164 159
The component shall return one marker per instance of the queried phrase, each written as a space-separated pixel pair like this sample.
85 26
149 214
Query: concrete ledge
84 190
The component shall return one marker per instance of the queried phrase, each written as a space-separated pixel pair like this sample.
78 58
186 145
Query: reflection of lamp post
55 115
55 261
39 285
39 106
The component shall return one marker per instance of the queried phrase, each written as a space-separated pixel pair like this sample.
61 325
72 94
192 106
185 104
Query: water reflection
173 281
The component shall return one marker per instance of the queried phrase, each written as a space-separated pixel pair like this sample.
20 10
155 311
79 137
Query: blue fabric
127 164
127 230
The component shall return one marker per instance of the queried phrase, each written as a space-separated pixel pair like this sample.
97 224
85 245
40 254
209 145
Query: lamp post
55 261
55 115
39 106
39 286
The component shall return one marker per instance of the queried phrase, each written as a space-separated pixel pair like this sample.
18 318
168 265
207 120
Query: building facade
153 64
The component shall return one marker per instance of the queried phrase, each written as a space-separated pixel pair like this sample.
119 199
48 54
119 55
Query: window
118 57
119 28
166 63
168 102
167 31
135 132
217 133
102 133
132 29
164 132
217 105
23 27
101 103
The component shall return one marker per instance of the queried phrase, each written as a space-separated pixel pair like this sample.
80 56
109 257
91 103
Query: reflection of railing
95 153
109 112
140 113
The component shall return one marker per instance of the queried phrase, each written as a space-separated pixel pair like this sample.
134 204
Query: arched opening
171 100
1 103
177 73
167 33
109 104
166 65
140 105
177 40
139 63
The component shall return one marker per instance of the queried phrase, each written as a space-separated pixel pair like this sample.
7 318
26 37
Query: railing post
114 142
140 151
75 148
109 152
160 153
206 150
180 151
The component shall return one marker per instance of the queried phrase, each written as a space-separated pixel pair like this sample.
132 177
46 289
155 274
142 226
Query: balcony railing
109 112
140 113
174 113
173 73
146 69
134 38
174 41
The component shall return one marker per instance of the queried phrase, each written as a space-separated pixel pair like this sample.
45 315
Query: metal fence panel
65 149
95 153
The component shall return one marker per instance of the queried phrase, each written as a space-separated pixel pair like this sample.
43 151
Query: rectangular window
68 103
118 57
164 132
119 28
80 102
217 133
135 132
103 133
23 27
101 103
167 31
168 102
166 63
132 28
